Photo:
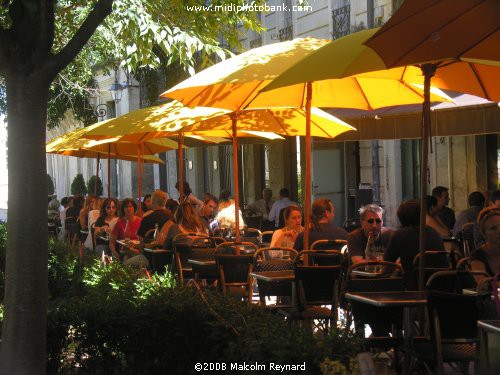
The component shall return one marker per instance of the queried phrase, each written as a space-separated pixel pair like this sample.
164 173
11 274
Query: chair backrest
339 245
434 261
253 221
266 236
320 258
183 247
275 253
318 285
454 315
467 239
453 281
237 248
233 270
464 264
149 236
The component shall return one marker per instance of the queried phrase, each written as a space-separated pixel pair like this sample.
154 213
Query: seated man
207 210
263 207
158 216
476 204
371 226
322 227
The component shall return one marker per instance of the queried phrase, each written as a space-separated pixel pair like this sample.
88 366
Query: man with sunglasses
371 226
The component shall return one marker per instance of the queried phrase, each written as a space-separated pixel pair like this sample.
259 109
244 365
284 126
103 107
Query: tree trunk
23 347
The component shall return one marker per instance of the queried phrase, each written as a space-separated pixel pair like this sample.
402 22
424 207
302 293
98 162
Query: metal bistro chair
275 259
382 320
434 261
251 235
183 244
468 239
234 267
317 287
453 326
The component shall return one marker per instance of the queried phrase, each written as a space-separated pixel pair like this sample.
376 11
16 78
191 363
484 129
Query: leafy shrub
91 186
78 185
50 185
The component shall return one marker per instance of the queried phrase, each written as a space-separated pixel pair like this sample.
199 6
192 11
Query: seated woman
404 243
286 236
84 212
487 257
126 227
322 227
104 224
186 220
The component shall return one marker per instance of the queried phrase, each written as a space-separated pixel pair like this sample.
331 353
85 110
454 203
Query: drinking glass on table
379 257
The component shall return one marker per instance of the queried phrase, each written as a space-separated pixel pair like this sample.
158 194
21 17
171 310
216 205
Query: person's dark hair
105 204
430 202
210 197
476 198
319 210
284 193
187 188
224 195
125 203
78 202
495 196
438 191
409 213
186 216
64 201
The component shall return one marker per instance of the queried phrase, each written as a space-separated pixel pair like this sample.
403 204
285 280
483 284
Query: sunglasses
371 221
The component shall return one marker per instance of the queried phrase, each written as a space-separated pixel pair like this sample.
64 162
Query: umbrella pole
109 171
97 174
307 199
234 120
181 169
428 70
139 177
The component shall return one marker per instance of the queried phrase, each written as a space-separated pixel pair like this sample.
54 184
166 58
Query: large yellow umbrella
237 84
270 122
458 38
74 144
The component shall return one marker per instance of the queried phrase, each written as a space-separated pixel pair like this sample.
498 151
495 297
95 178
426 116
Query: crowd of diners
123 220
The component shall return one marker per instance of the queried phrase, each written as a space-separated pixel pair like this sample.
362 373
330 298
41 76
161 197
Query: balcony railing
341 21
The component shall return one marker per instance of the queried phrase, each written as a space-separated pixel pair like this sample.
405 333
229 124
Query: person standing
371 226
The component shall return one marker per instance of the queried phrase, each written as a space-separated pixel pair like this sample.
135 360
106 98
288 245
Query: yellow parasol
268 123
457 38
237 84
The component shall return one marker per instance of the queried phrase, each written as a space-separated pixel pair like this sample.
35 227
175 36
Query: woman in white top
286 236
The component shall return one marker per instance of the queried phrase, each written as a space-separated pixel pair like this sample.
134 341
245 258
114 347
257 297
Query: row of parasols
277 90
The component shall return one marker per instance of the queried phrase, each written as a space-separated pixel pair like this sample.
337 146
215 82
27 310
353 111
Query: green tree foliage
50 185
48 50
137 35
91 186
78 185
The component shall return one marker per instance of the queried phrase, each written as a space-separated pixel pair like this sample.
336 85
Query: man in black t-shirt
159 215
446 214
371 225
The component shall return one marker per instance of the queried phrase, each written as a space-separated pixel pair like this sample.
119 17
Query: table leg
484 355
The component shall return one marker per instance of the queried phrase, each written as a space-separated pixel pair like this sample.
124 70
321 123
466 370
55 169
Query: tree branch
59 61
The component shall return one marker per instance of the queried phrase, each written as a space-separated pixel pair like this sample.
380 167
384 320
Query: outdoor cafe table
275 276
406 300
